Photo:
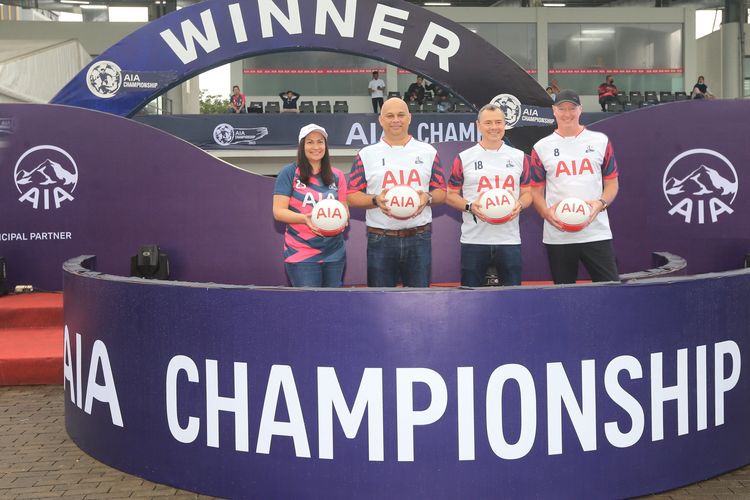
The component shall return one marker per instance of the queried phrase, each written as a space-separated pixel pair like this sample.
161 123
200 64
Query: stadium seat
629 106
340 107
461 107
393 93
255 107
636 100
666 97
272 107
681 96
414 107
306 107
614 107
622 98
428 96
650 97
323 107
429 107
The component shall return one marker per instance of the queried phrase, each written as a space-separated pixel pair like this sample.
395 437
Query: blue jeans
475 259
391 260
316 274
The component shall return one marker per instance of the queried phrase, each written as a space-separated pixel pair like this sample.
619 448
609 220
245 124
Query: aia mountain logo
700 185
46 176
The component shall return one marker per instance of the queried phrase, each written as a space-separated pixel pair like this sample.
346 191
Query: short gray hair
490 107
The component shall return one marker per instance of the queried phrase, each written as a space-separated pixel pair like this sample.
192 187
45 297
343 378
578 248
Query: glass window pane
331 73
640 56
515 40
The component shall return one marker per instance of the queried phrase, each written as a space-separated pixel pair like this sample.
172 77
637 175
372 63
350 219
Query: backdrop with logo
597 391
251 131
72 182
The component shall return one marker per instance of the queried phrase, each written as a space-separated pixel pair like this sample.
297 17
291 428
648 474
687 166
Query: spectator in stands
700 90
236 101
607 92
417 88
376 88
444 104
551 93
438 90
289 101
555 86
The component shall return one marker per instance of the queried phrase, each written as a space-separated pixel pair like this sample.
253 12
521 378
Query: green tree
212 104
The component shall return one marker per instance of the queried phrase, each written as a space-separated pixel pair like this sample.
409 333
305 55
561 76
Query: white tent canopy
36 70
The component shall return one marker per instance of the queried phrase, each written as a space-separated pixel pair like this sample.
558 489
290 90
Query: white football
497 205
330 216
403 201
573 213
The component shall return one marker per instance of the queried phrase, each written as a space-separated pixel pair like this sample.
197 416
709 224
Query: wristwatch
467 207
604 204
374 200
429 199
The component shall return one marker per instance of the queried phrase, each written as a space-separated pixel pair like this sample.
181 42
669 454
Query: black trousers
376 101
598 257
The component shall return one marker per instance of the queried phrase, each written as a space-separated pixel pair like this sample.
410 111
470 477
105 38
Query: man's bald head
395 119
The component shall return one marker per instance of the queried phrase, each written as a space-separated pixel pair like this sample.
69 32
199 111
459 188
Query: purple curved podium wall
586 391
119 184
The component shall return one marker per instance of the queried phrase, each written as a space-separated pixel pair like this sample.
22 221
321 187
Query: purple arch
187 42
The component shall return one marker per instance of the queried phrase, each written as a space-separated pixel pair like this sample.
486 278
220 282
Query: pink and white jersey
476 170
300 243
382 166
574 166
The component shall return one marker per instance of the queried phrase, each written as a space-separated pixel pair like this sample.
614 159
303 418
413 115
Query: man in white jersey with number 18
488 165
397 250
575 162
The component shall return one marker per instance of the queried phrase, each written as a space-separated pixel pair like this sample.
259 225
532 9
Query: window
639 56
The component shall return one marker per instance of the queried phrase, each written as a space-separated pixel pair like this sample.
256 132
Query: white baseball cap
308 129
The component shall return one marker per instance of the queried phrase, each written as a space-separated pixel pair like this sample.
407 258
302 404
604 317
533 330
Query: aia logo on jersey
401 178
700 185
491 182
575 167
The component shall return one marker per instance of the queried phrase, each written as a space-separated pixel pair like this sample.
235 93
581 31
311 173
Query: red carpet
31 339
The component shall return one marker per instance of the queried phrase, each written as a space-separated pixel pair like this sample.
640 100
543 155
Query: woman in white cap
310 259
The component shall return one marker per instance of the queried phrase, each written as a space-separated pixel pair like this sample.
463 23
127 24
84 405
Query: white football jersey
476 170
574 167
380 166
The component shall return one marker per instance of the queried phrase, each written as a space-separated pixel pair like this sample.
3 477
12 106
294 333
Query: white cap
307 129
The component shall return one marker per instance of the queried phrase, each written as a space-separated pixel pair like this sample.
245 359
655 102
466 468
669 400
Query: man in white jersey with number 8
575 162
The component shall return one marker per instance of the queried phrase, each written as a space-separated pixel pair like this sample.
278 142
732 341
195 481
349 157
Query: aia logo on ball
46 176
700 185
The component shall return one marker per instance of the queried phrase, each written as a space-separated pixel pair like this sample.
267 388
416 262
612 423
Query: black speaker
3 278
150 263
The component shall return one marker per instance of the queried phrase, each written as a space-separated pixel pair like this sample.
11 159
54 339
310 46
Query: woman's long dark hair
306 170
